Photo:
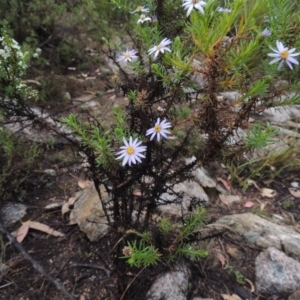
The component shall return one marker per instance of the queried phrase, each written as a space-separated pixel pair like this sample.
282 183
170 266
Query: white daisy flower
160 48
131 152
128 55
190 4
143 19
283 54
141 9
159 129
222 9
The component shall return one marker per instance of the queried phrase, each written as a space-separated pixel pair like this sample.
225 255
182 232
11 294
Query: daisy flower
160 48
221 9
154 18
159 129
283 54
141 9
143 19
266 32
131 152
190 4
128 55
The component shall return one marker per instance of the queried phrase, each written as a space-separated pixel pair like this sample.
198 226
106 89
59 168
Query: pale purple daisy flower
159 129
283 54
160 48
266 32
143 19
222 9
141 9
190 4
131 152
128 55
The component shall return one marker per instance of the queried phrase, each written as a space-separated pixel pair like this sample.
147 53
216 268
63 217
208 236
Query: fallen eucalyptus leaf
269 193
22 232
251 285
224 200
225 183
230 297
66 207
54 205
137 192
249 204
45 228
295 192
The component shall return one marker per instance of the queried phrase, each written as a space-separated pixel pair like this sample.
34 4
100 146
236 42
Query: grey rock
238 135
197 77
12 213
282 114
276 273
170 286
201 175
281 84
264 233
89 215
231 96
67 96
190 189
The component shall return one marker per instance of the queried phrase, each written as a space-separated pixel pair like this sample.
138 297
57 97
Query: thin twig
35 264
107 271
130 283
5 285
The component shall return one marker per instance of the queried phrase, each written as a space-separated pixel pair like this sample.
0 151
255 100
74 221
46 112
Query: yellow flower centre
130 150
159 47
139 8
284 54
127 55
157 128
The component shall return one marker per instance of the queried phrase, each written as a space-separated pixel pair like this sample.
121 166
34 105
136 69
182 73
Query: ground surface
74 260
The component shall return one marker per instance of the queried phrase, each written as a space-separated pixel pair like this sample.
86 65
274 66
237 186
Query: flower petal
125 160
274 60
293 60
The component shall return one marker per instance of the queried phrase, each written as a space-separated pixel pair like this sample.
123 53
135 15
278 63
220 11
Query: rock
230 199
89 215
170 286
67 96
238 135
12 212
285 133
281 114
191 189
231 96
201 175
276 273
264 233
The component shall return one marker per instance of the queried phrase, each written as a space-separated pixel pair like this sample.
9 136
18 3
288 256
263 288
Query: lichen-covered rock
276 273
89 215
190 189
264 233
170 286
